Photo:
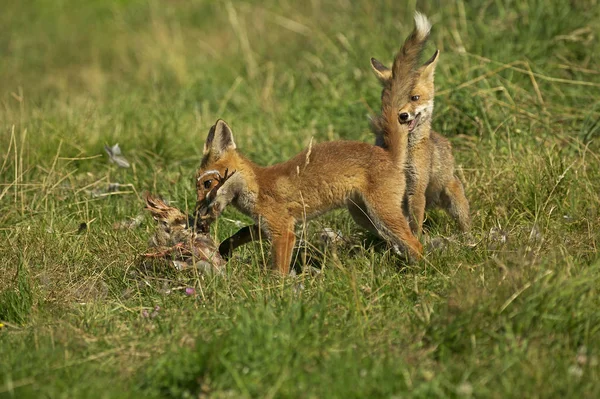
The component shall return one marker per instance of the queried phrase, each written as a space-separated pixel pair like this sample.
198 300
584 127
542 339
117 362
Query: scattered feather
129 224
437 244
535 235
497 236
115 156
111 189
332 237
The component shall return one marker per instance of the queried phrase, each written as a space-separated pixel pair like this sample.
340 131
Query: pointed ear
382 72
428 68
219 139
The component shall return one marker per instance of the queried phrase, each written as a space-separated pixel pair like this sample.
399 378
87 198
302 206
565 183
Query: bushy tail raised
408 57
397 90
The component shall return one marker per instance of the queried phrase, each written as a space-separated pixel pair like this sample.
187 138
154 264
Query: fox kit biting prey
325 176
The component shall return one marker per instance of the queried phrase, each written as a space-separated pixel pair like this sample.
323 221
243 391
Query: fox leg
243 236
418 174
416 207
390 222
283 240
454 201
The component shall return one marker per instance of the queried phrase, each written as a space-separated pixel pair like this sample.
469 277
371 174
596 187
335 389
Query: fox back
322 177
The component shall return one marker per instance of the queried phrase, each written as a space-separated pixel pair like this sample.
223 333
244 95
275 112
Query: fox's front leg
417 179
416 206
242 237
283 240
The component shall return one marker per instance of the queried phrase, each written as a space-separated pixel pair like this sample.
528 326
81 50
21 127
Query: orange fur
368 179
397 84
430 177
323 177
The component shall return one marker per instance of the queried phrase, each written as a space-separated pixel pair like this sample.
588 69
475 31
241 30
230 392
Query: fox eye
415 98
207 184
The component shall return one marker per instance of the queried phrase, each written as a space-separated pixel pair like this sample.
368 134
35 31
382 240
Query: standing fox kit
323 177
430 177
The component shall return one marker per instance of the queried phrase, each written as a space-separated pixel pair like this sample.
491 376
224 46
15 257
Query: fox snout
409 117
404 117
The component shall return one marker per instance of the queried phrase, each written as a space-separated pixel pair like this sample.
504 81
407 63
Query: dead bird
182 238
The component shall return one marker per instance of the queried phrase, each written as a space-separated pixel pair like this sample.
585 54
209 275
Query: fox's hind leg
454 201
387 217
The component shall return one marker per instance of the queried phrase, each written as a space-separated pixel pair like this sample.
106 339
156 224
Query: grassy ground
515 315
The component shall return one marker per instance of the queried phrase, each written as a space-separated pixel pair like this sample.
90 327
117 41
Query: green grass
515 315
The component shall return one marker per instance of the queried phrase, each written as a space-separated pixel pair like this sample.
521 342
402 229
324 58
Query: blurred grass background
518 93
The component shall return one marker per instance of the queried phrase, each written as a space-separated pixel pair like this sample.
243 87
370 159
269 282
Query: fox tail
408 57
397 90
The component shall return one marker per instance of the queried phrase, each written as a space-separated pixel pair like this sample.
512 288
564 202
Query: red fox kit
325 176
430 177
369 179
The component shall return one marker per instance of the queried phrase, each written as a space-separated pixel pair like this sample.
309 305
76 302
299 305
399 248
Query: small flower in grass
581 357
155 313
576 371
189 291
148 315
465 389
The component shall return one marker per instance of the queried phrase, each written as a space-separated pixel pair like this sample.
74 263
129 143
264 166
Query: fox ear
382 72
219 139
429 67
